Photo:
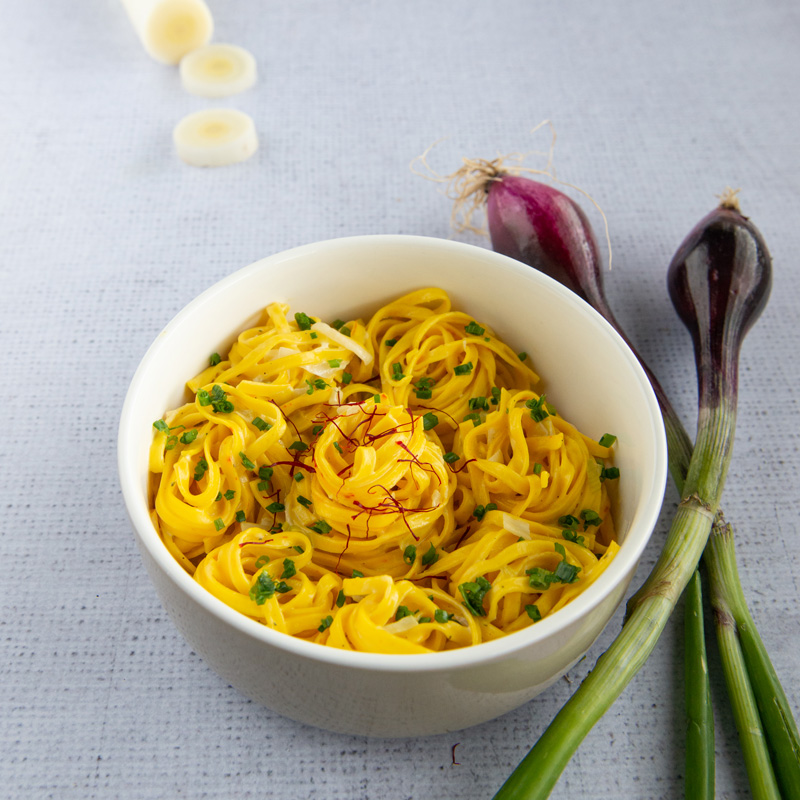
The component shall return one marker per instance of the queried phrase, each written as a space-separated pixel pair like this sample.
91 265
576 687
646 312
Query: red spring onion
541 226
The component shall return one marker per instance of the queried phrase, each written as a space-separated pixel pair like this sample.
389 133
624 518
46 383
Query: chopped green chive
422 620
229 494
480 511
338 448
315 384
261 424
265 473
539 409
567 573
289 569
246 462
275 508
475 417
298 549
429 420
200 469
317 430
423 394
204 398
410 554
495 396
568 521
522 356
463 369
283 587
263 486
590 517
397 371
299 477
334 363
344 330
609 473
571 536
357 573
304 501
340 598
219 524
474 329
477 403
533 612
262 589
540 578
607 439
187 437
304 322
321 527
537 468
161 426
390 342
240 516
261 561
219 401
431 557
346 378
337 324
473 593
214 359
451 457
403 611
442 616
325 624
312 335
299 446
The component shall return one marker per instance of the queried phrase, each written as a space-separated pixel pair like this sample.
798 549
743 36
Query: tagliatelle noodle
396 486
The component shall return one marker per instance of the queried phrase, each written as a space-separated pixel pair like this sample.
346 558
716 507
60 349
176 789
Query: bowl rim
624 562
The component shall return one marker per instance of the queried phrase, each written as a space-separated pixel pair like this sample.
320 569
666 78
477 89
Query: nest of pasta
394 486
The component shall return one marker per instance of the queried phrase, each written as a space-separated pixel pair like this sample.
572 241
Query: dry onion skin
388 486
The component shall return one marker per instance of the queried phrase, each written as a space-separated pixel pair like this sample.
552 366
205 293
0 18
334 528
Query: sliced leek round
218 70
215 137
169 29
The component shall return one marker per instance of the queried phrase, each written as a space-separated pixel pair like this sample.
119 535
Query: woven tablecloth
105 235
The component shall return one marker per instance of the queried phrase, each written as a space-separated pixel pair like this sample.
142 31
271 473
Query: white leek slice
169 29
344 341
401 625
218 70
517 526
215 137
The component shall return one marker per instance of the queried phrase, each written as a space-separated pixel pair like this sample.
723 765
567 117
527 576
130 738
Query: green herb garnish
262 589
289 569
431 557
304 322
321 527
473 593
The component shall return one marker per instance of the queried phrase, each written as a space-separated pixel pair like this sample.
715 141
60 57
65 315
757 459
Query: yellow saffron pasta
389 486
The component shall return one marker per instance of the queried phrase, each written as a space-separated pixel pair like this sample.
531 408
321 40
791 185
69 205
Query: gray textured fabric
105 235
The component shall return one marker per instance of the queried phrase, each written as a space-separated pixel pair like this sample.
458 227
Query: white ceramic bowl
591 376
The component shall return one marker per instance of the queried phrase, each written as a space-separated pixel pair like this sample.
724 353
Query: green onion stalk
734 255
